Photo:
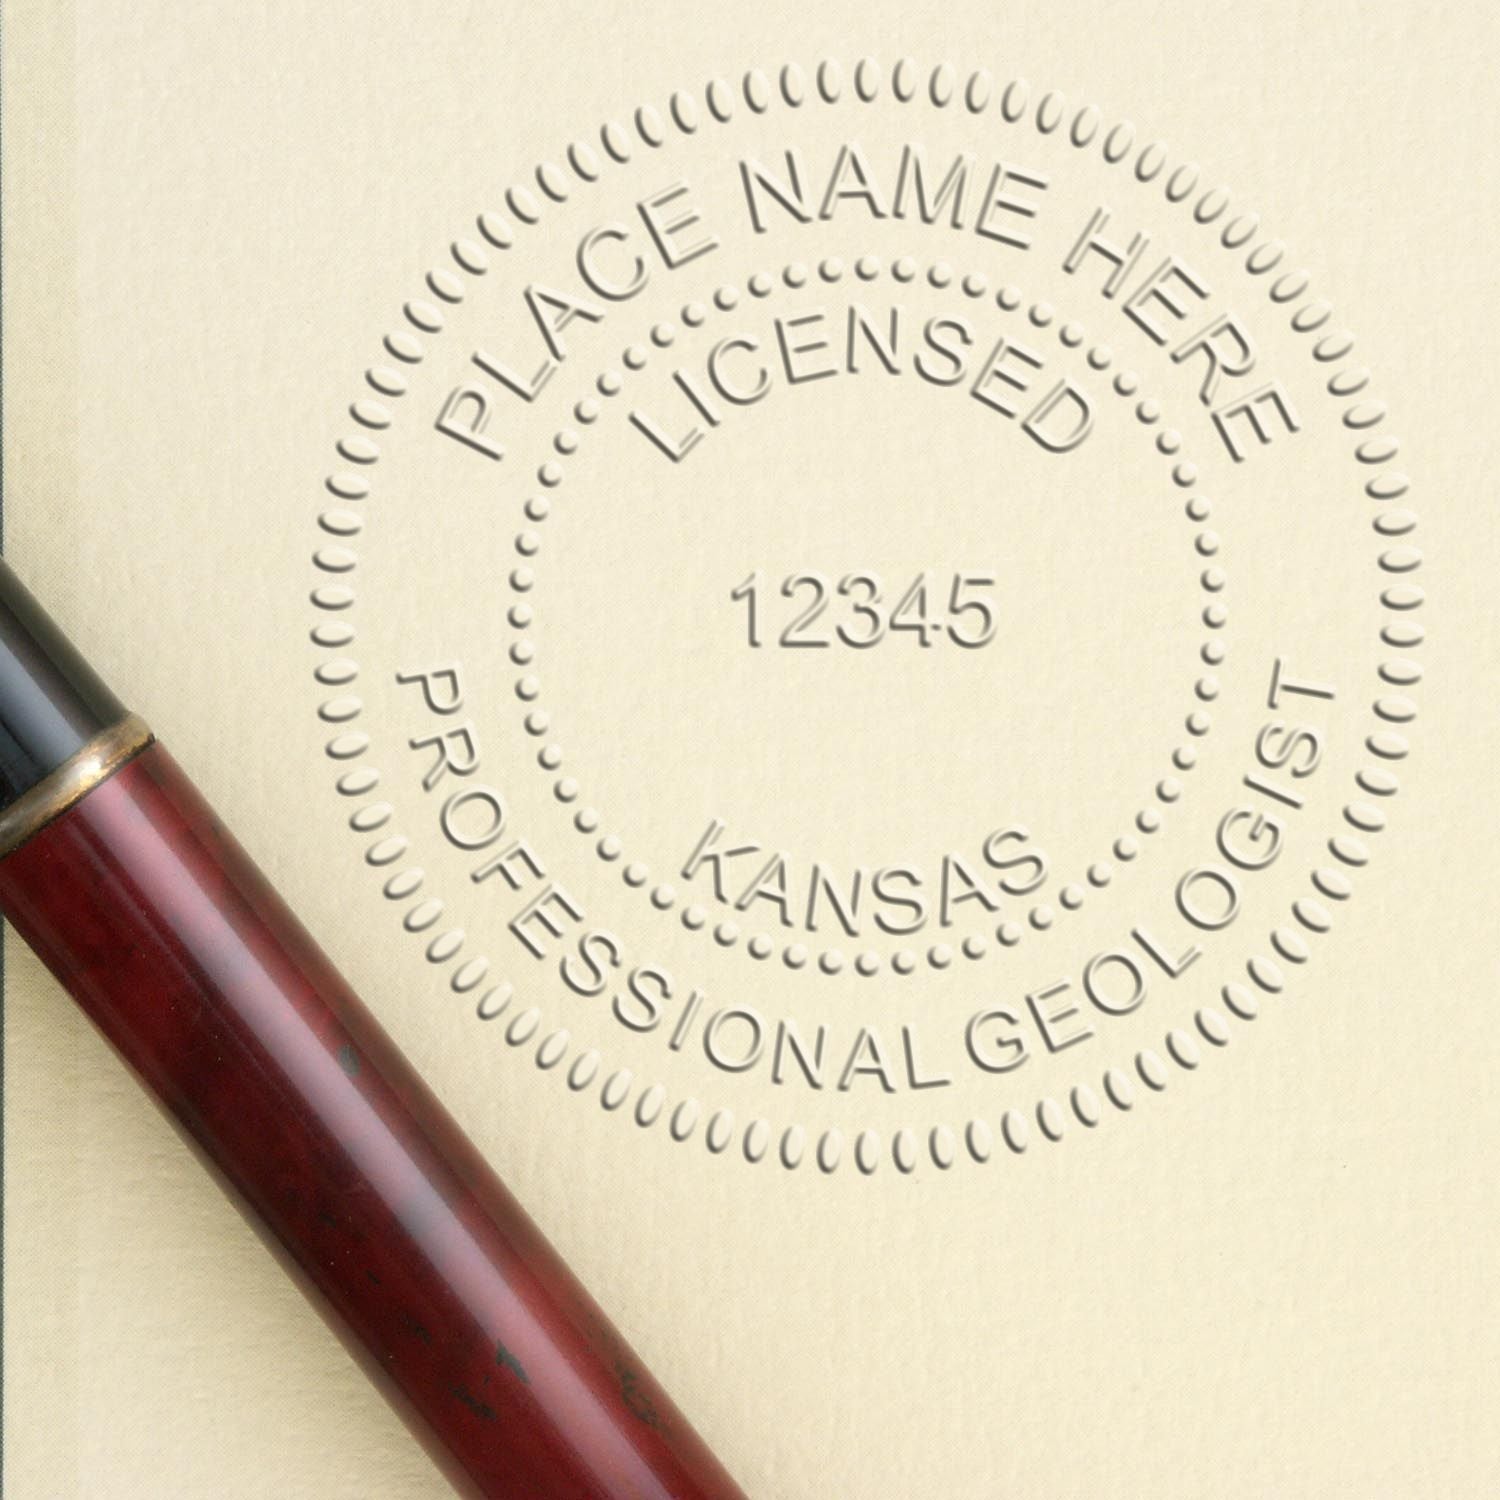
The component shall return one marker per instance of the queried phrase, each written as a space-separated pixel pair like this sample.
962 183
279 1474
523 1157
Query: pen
115 870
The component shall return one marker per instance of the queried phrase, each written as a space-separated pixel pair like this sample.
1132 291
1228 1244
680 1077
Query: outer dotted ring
1041 915
1400 597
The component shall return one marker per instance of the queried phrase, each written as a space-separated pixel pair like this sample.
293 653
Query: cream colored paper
1267 1268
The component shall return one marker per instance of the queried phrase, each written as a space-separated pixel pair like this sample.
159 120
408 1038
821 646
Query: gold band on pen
72 781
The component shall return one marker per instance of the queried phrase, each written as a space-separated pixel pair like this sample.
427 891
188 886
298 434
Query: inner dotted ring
1127 846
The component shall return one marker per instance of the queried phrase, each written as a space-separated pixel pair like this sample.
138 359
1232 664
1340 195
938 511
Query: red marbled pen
118 874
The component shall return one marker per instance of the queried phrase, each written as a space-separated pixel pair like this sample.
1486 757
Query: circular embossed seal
776 638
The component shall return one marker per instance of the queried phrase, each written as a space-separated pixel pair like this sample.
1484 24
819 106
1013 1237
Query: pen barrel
177 948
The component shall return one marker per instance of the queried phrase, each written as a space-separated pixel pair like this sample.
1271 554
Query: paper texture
889 688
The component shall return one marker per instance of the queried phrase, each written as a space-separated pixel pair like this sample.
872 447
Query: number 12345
857 613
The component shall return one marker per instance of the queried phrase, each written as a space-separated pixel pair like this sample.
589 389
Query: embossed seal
774 614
